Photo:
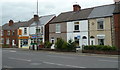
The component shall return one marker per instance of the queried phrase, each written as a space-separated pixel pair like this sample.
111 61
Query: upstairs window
7 42
13 33
25 30
57 28
76 26
100 24
8 33
41 30
37 30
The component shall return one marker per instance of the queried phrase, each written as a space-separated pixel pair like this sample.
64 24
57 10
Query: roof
46 19
117 8
102 11
95 12
71 16
42 20
15 25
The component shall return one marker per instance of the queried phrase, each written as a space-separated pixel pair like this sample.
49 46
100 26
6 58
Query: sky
23 10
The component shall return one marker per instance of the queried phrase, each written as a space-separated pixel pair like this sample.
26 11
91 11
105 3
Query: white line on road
109 61
7 67
35 63
63 65
20 59
12 51
61 56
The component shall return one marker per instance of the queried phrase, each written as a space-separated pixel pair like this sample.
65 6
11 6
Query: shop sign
23 37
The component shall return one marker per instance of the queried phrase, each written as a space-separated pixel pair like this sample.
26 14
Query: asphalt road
15 58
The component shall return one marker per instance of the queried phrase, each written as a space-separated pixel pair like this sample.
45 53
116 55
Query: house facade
34 31
91 26
39 32
101 25
10 33
24 41
71 25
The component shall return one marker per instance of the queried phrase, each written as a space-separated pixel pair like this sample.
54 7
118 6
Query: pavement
23 58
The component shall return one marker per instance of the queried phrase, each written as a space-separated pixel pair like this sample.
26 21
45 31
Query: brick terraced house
10 33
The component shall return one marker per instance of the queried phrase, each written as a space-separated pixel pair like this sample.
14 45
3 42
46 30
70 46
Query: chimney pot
11 22
116 1
36 18
76 7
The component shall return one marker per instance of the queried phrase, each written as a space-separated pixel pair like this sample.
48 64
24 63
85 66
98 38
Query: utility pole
37 7
37 26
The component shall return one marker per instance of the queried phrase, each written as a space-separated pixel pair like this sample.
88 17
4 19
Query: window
13 33
2 39
57 28
7 41
76 26
25 42
25 30
100 41
1 33
100 24
84 37
8 33
41 30
37 30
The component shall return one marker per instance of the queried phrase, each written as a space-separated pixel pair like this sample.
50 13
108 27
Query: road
15 58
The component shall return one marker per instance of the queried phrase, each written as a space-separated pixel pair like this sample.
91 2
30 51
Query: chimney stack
11 22
36 18
76 7
117 1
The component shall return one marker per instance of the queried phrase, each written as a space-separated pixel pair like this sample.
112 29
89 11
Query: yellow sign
23 37
19 32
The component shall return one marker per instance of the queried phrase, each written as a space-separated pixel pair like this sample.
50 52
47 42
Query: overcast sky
23 10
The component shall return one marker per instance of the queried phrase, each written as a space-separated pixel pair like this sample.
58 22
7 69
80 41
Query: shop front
36 40
24 42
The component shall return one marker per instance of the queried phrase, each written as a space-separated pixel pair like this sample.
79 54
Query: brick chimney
36 18
116 1
11 22
76 7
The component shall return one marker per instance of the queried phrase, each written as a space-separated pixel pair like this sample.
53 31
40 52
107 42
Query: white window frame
58 28
101 19
25 32
8 32
38 29
13 32
7 41
76 23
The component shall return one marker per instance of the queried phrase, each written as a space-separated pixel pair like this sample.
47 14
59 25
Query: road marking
35 63
61 56
48 62
109 61
12 51
20 59
7 67
63 65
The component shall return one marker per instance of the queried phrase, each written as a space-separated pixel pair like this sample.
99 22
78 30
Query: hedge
100 48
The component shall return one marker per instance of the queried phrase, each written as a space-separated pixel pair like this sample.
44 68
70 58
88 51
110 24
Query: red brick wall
11 37
47 30
117 29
